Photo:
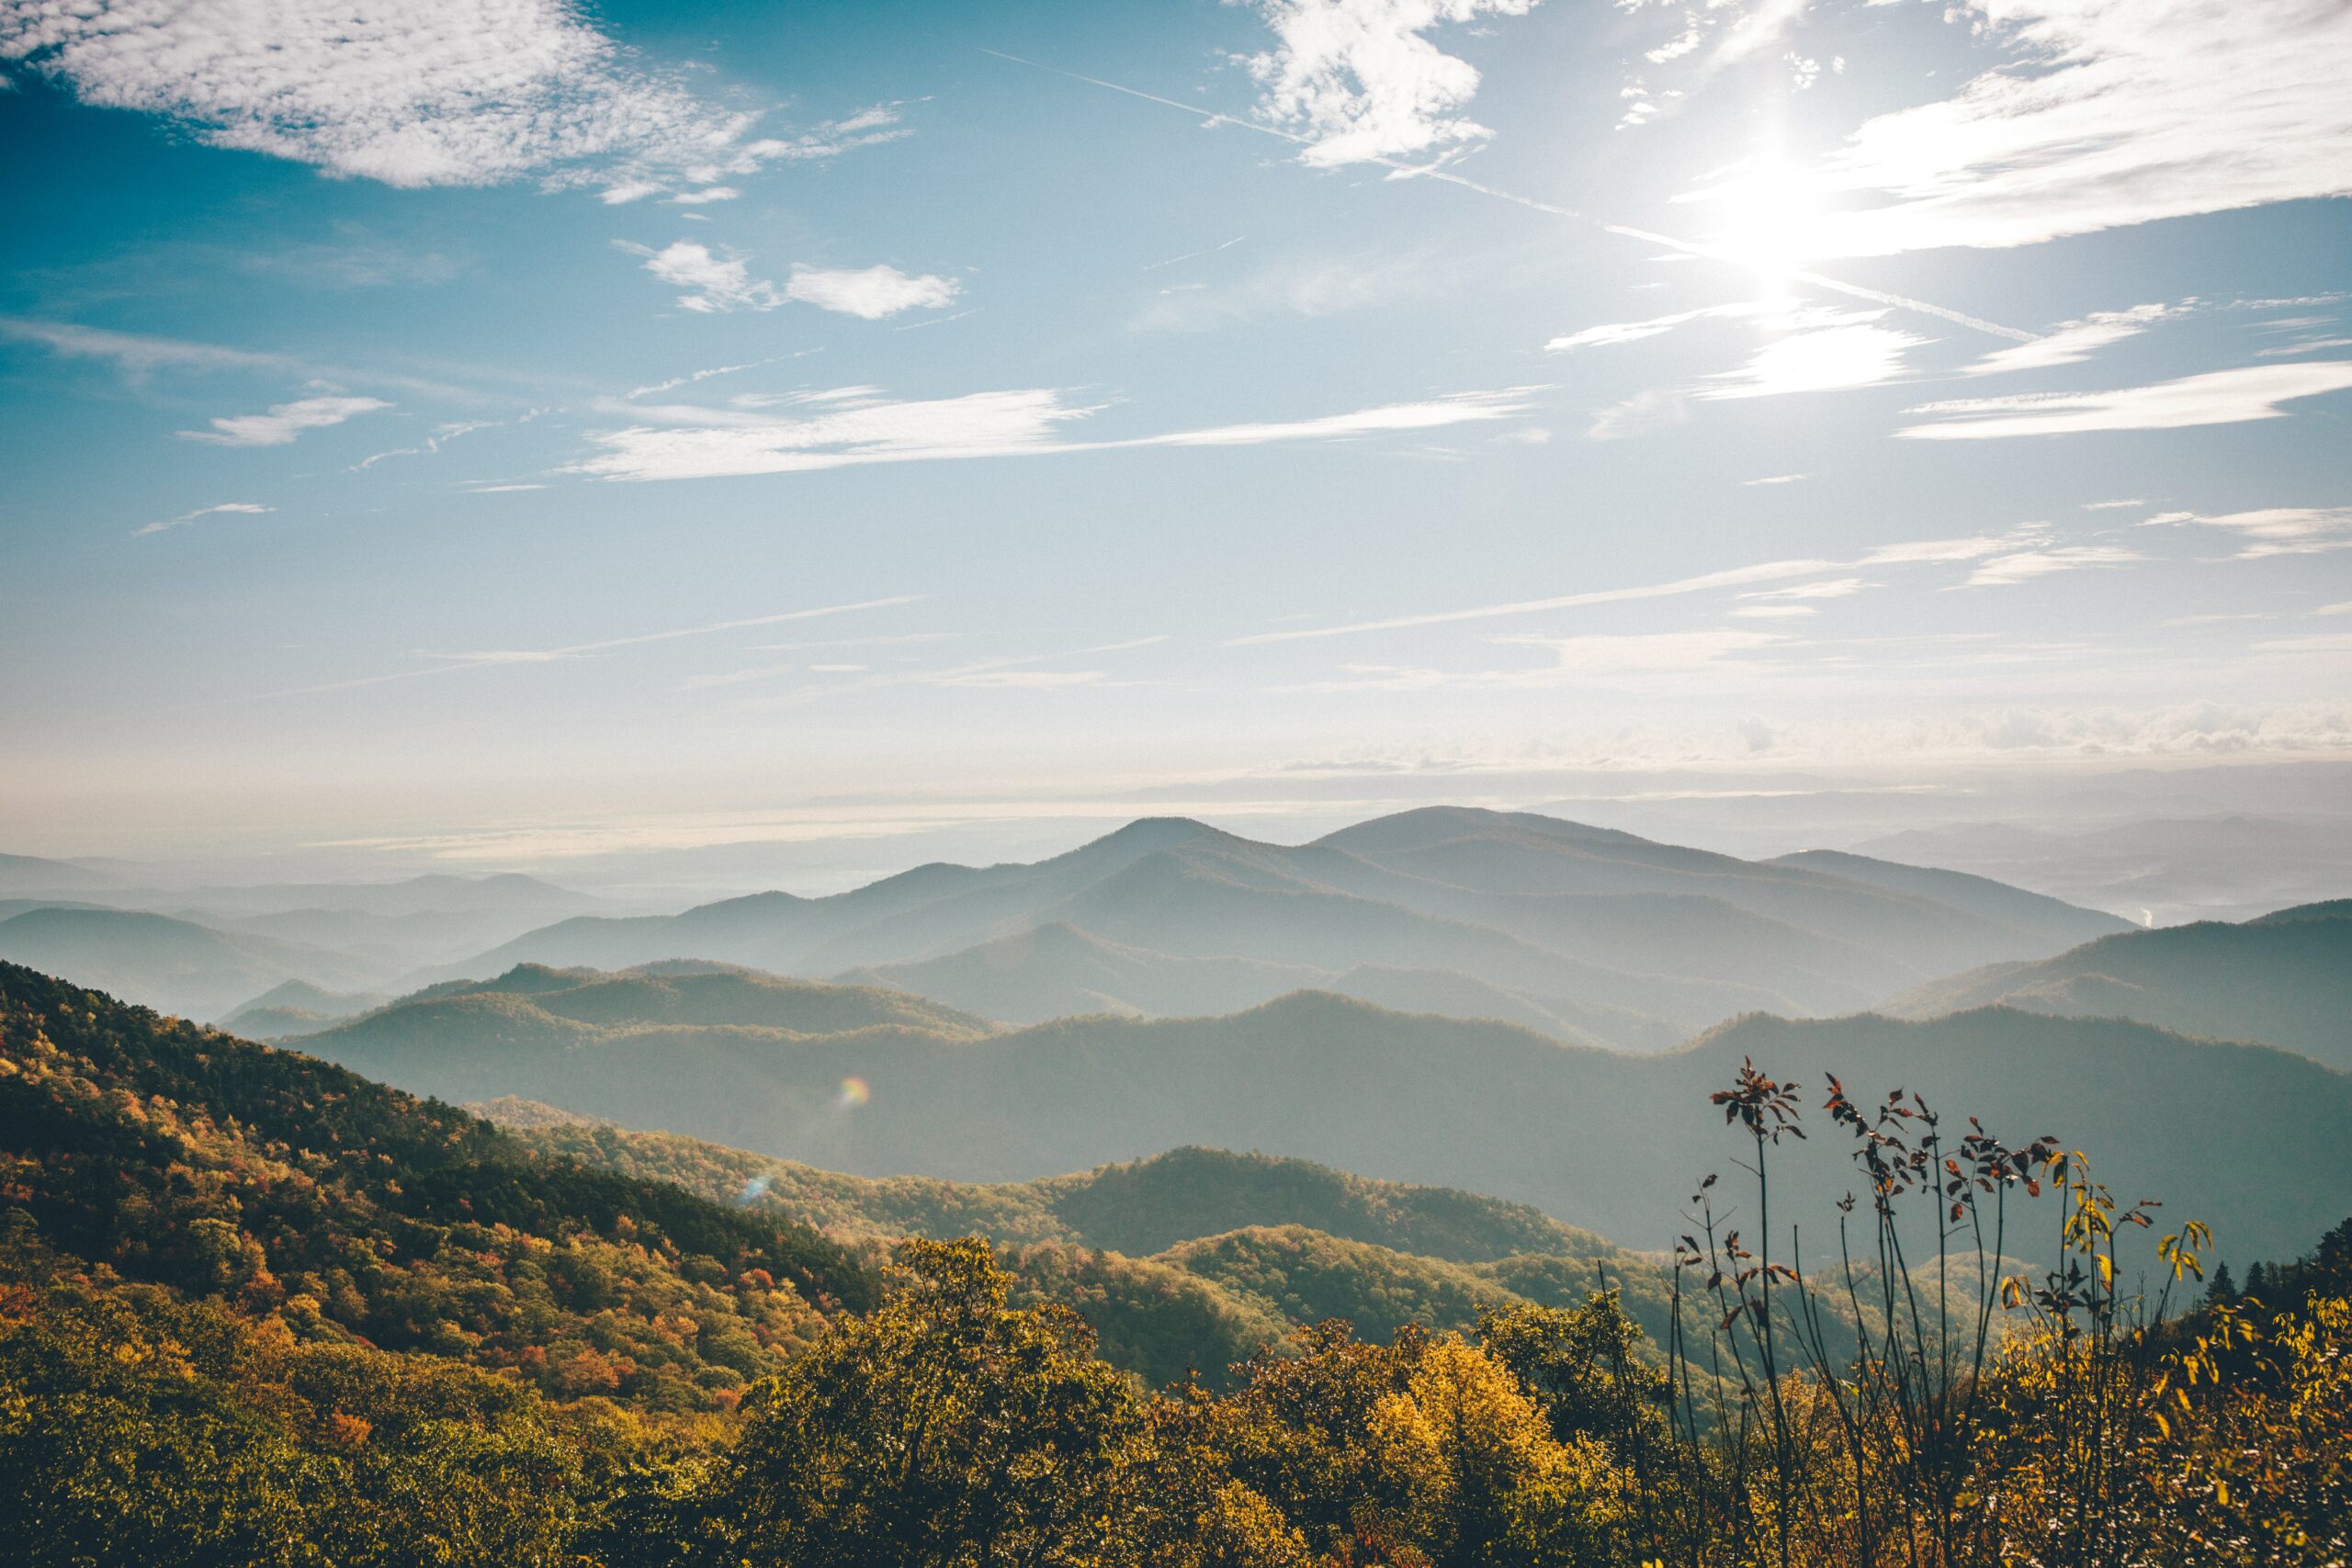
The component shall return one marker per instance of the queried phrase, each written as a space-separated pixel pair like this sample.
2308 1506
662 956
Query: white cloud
714 282
867 128
407 92
2218 397
1646 411
138 355
2113 505
2023 566
1615 333
856 425
284 422
1910 552
1356 80
1773 612
2276 531
2073 341
868 293
1776 480
710 282
1829 588
705 197
2114 112
2343 609
187 517
1846 349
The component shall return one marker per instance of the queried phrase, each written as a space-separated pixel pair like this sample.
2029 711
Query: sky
501 432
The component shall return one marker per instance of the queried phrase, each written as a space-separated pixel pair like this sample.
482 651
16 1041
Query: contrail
1424 172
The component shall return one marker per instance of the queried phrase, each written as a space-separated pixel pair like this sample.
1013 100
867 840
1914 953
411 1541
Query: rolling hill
1193 1258
2284 979
1608 938
298 1007
1611 1138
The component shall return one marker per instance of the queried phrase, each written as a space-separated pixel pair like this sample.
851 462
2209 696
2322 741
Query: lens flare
853 1093
752 1189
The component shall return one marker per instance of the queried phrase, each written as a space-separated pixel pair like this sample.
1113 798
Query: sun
1770 220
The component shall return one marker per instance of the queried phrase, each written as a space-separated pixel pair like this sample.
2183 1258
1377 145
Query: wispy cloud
858 425
433 443
284 422
2071 342
2218 397
1357 82
2116 112
450 663
409 93
1610 334
138 355
2274 531
1912 552
1776 480
186 517
2023 566
688 380
1021 671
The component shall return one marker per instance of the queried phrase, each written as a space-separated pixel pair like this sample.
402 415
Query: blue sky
517 433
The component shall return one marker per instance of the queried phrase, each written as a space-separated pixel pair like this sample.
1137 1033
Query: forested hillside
146 1149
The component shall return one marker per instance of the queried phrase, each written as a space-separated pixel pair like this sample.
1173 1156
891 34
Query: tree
943 1430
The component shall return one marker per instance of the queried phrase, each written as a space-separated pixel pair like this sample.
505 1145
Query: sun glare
1771 213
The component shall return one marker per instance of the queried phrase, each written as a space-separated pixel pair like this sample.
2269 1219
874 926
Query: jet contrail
1418 171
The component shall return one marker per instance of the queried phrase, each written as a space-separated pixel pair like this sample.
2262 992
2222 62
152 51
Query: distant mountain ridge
1609 938
2284 979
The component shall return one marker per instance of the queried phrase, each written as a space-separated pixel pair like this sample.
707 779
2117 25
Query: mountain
142 1151
2051 918
1604 936
176 965
585 1007
1058 971
2285 979
1614 1139
297 1008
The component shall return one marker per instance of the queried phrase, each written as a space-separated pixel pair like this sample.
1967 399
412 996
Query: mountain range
881 1084
1599 936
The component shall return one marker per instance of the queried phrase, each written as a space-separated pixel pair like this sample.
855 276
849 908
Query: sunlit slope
2285 979
155 1151
1194 1258
1167 917
2251 1135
